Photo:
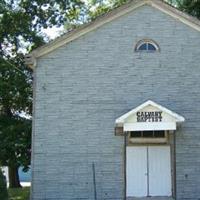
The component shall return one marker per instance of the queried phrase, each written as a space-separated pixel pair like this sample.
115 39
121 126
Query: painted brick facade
82 87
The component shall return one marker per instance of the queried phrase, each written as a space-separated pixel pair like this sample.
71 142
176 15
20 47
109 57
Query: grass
19 193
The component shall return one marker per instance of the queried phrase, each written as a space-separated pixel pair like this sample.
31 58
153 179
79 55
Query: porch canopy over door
149 116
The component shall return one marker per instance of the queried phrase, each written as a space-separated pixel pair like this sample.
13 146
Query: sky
53 32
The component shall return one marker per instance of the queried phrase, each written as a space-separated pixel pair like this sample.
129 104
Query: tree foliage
98 7
3 187
21 25
191 7
15 99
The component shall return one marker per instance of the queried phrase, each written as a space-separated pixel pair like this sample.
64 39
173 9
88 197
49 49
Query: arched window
146 46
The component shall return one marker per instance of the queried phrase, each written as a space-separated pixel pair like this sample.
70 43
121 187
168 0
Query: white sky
53 32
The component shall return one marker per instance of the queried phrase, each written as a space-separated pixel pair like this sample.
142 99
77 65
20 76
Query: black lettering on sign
153 116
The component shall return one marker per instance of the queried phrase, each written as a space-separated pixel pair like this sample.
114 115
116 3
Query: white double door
148 171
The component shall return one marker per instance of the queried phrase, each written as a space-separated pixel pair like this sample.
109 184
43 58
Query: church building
116 113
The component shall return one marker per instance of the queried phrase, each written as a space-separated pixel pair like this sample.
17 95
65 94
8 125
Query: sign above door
149 116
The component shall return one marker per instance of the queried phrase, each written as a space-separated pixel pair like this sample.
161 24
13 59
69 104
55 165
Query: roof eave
30 61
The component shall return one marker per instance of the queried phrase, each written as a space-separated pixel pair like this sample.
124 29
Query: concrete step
149 198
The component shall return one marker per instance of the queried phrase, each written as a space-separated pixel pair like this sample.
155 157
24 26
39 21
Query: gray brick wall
82 87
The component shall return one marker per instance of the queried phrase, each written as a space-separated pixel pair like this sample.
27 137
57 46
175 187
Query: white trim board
146 126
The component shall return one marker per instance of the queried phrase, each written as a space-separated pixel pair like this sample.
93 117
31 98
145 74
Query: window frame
148 140
146 42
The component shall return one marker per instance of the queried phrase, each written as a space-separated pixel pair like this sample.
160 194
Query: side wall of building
82 87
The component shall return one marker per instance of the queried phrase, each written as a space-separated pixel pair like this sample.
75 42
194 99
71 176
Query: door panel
159 171
136 171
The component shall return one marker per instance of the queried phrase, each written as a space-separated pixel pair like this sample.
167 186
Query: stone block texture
82 87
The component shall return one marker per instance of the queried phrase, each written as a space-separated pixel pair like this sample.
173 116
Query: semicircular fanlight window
146 46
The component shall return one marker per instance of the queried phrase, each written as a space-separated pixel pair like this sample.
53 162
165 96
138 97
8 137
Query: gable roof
122 119
108 17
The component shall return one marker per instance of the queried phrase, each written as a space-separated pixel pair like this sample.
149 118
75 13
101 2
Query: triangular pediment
149 116
130 6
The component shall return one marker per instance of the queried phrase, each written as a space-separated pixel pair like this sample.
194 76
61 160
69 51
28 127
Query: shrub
3 187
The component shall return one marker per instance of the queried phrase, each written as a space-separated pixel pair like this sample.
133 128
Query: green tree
15 130
21 25
99 7
3 187
191 7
